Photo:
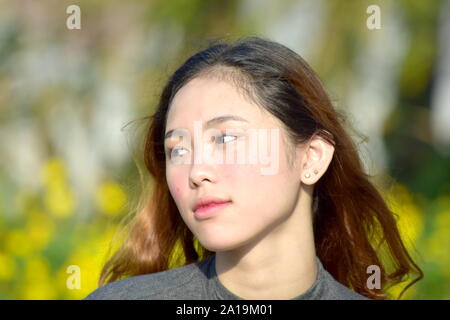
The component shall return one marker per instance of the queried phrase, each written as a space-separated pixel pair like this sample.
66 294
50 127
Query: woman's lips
210 210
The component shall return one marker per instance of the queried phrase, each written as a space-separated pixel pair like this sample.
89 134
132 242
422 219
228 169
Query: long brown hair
353 226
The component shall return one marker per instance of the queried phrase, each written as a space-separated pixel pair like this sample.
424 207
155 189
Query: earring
307 175
316 172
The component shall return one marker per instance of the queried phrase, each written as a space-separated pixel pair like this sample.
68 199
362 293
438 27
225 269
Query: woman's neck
280 264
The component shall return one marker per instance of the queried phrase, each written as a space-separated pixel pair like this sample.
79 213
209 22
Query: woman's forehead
208 94
206 99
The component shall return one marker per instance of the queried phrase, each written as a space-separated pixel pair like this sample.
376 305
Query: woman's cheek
175 187
239 176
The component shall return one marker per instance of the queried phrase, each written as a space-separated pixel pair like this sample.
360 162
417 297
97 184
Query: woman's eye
174 152
223 138
180 151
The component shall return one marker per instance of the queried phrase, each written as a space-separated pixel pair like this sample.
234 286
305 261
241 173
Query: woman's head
282 103
250 82
242 160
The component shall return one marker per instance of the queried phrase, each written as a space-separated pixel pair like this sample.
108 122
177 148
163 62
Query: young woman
257 190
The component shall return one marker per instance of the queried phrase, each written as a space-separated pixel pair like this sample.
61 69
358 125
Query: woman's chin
218 246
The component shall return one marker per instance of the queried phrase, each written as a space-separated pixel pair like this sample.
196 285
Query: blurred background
67 167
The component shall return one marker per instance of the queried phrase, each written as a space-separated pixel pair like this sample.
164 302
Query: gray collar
218 291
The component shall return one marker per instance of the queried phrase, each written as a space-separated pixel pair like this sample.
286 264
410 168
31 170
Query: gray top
199 281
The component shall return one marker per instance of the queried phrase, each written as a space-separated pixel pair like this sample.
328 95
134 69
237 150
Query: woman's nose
200 174
203 170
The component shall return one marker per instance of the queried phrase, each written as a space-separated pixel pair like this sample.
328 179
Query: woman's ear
316 159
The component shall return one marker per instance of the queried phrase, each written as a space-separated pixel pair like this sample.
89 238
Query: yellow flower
59 201
90 257
38 291
58 198
111 198
410 217
39 229
89 265
53 172
63 275
37 281
36 269
17 244
8 267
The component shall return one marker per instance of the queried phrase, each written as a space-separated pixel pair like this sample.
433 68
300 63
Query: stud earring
316 172
307 175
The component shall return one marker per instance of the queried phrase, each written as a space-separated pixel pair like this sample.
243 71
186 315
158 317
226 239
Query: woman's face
262 187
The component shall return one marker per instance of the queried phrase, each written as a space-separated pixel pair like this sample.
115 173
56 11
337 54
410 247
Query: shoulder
174 283
337 291
333 289
342 292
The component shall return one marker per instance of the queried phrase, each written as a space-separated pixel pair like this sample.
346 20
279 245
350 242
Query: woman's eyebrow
214 121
